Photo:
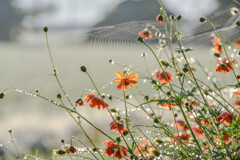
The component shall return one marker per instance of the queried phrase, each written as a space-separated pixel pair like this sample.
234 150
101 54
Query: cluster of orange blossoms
126 81
115 150
224 118
224 65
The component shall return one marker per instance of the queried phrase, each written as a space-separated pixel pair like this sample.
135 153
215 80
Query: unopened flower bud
155 153
60 152
216 55
238 23
158 141
202 19
125 132
59 96
118 139
140 39
238 76
172 17
160 18
185 69
45 28
164 63
83 69
1 95
144 54
146 98
113 110
156 120
178 17
95 149
132 156
118 118
178 75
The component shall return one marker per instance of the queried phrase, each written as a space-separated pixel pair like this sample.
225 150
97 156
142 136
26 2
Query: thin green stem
83 145
183 113
6 148
225 51
55 71
107 107
61 106
15 146
79 124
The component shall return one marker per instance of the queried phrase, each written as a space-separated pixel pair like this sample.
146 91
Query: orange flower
236 43
238 93
182 137
170 104
118 125
145 147
126 80
162 78
230 64
237 102
145 34
95 102
181 125
222 68
205 122
79 102
225 138
159 19
197 130
115 150
71 149
226 118
218 49
217 45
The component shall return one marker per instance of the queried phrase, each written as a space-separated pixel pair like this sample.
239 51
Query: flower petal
119 75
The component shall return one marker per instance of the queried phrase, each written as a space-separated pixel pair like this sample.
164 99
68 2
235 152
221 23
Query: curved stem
79 124
223 48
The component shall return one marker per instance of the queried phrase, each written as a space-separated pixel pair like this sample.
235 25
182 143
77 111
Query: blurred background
19 16
38 126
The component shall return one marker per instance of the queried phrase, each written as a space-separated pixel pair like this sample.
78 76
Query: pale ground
26 65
